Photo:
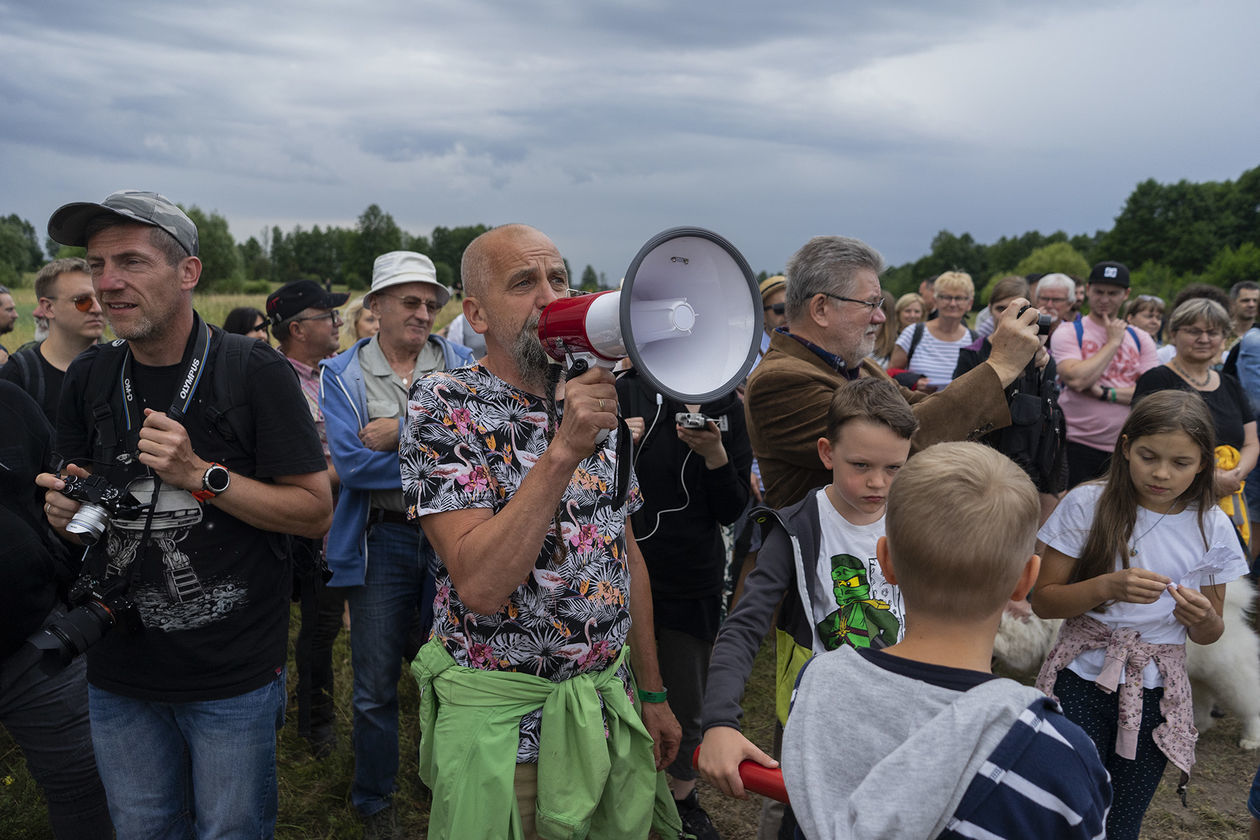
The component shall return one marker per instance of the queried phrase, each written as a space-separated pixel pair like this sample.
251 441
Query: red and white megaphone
688 315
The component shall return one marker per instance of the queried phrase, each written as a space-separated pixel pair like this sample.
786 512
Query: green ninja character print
860 621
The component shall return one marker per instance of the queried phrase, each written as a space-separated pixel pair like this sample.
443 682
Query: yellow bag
1235 506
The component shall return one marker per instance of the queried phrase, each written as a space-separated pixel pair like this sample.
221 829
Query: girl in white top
936 354
1146 551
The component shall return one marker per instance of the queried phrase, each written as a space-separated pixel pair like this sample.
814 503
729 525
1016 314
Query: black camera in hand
1043 320
99 502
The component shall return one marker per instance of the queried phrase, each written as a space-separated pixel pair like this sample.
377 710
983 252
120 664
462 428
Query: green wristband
653 696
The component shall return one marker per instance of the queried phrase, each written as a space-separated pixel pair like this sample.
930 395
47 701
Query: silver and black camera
99 502
693 420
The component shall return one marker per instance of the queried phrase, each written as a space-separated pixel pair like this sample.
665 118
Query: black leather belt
393 517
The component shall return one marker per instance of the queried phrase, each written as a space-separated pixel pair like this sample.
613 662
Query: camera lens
89 523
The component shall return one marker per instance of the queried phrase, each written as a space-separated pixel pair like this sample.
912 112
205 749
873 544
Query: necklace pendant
1133 551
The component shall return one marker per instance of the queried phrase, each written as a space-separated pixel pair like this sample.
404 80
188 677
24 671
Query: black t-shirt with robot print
213 591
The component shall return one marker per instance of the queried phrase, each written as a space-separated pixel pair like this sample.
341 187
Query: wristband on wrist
653 696
1111 394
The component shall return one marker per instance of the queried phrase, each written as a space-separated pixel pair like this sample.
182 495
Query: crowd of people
459 506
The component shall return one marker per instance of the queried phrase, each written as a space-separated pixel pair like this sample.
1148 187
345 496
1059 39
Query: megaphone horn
688 315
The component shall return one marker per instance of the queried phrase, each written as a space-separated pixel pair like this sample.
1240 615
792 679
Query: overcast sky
603 123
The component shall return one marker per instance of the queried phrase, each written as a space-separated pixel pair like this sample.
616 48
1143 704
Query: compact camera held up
99 501
693 420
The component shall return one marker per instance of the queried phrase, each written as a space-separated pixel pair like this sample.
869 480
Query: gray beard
531 360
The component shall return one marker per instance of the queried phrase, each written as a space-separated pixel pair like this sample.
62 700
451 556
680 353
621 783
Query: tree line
1168 234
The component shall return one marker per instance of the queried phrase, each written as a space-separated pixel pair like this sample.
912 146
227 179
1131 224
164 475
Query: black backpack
31 372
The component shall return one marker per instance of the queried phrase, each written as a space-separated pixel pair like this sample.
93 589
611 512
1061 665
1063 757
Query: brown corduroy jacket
786 404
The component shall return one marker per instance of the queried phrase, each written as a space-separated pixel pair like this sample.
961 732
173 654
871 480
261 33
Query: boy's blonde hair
961 524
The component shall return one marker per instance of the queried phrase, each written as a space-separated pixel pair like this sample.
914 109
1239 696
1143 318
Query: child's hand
721 752
1137 586
1193 607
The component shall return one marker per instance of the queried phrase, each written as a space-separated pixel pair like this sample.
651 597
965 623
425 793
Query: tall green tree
590 280
220 258
447 248
255 260
1056 257
377 234
19 245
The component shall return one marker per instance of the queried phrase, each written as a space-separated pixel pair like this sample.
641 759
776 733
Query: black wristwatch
214 481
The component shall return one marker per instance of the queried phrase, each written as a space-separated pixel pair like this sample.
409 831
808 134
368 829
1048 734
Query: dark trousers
321 609
684 664
48 718
1086 463
1133 781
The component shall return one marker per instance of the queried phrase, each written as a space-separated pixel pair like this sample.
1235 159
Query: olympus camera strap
188 383
179 408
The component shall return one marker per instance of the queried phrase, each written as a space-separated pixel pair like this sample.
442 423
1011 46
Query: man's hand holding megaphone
590 410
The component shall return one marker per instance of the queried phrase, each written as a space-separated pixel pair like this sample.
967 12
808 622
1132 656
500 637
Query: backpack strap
230 413
915 338
32 373
103 399
1080 334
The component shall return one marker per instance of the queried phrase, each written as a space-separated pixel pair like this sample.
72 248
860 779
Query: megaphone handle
767 781
578 368
625 459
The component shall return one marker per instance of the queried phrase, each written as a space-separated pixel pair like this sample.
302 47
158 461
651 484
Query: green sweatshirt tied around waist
588 785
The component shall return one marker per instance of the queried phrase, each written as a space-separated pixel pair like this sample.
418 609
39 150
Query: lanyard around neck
188 382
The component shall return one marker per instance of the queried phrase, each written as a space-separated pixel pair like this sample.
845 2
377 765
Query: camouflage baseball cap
69 224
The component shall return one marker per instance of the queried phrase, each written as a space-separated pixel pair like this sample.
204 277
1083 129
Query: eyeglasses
83 303
331 314
871 305
953 298
1195 333
262 328
413 303
776 308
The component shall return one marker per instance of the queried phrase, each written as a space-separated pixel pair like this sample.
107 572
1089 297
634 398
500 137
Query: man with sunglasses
833 317
75 323
384 561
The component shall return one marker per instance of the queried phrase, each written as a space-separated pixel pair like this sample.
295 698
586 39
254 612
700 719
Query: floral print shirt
469 441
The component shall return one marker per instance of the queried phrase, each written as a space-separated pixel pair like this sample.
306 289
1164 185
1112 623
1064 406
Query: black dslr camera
97 609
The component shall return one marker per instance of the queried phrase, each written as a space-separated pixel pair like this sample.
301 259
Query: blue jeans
198 769
397 586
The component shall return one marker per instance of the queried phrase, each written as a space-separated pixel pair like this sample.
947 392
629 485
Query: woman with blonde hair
910 309
362 322
887 339
931 349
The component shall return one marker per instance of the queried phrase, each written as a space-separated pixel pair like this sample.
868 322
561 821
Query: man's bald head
478 264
